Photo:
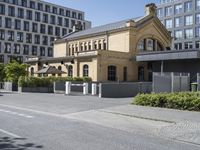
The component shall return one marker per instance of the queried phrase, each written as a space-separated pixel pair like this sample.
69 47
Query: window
2 58
178 46
178 22
197 4
50 52
2 34
2 9
37 39
42 51
7 48
68 13
28 38
47 8
85 71
104 45
24 3
150 45
50 30
168 11
168 23
80 16
45 18
34 50
20 36
178 9
64 31
61 12
29 15
53 20
17 24
197 18
197 31
32 4
17 49
45 40
26 26
100 47
35 27
197 43
66 22
43 28
37 16
188 45
8 23
188 20
57 31
40 6
10 35
178 34
189 33
70 71
74 15
1 22
60 20
55 10
188 6
20 13
26 50
112 71
73 23
11 11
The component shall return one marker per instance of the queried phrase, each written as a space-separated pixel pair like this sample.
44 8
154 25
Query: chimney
150 9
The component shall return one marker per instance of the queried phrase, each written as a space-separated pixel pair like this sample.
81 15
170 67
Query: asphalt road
40 121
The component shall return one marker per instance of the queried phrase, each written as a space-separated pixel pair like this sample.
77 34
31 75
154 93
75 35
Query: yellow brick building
107 53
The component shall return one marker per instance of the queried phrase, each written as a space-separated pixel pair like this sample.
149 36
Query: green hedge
46 81
182 100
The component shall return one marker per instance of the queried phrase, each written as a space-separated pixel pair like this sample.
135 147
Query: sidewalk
162 114
185 125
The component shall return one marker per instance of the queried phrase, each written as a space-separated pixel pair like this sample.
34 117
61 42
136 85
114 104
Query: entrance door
141 73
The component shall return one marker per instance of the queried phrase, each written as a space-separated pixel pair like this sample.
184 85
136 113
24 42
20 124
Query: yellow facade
103 50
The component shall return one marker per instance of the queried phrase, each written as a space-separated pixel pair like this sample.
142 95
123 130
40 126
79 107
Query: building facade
182 18
29 27
108 52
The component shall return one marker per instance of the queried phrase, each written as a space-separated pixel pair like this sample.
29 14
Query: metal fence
171 82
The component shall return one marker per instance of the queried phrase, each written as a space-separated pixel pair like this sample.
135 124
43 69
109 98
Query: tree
2 72
14 70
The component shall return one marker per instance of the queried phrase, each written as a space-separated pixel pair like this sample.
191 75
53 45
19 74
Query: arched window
32 71
100 47
70 71
85 71
112 73
59 68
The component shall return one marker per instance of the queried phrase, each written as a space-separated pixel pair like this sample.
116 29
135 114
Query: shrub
181 100
46 81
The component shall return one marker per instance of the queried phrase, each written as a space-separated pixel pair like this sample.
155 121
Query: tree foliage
2 72
14 70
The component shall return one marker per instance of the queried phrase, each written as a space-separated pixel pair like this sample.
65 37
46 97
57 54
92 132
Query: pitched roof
50 70
99 29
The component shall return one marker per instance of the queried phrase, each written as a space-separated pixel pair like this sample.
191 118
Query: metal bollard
94 89
68 88
85 88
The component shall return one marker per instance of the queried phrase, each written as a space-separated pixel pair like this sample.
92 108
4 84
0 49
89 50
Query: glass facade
182 19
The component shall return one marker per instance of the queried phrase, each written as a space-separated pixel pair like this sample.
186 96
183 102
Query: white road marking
15 113
9 133
32 110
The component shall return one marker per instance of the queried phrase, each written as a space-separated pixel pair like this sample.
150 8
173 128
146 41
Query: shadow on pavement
7 143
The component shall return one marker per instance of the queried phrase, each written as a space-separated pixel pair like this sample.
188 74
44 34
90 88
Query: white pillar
94 88
68 88
85 88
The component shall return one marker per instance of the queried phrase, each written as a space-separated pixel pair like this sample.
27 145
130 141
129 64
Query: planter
36 89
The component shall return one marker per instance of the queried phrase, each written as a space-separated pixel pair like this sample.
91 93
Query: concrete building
182 18
29 27
108 52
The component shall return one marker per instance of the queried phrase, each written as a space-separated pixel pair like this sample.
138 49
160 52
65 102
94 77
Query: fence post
172 82
68 88
85 88
94 88
100 90
198 81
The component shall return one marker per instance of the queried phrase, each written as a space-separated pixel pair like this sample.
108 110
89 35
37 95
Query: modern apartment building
182 18
29 27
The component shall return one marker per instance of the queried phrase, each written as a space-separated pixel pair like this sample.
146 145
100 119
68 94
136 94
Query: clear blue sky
105 11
